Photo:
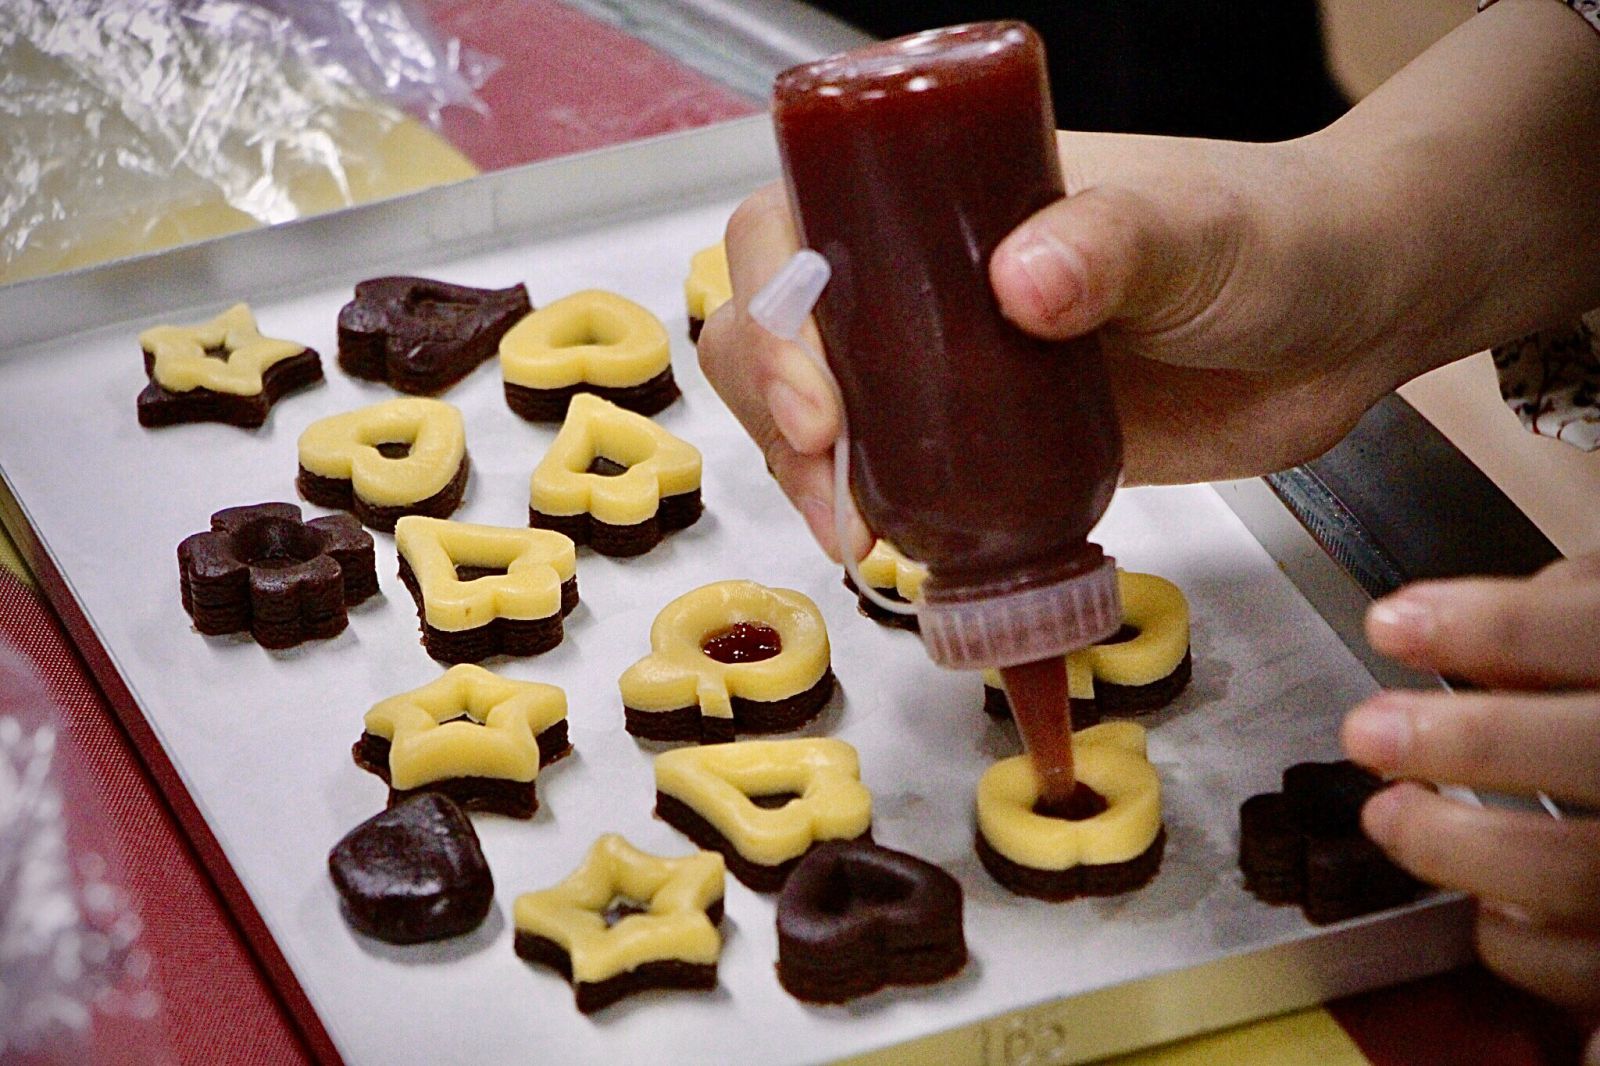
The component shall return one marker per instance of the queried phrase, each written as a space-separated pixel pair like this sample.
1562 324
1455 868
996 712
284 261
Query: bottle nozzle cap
1024 625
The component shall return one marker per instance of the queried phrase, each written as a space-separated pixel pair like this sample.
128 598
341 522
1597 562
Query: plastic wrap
74 981
143 123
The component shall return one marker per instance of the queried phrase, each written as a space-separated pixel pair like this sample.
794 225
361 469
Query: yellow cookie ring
1056 858
707 287
343 466
592 341
680 692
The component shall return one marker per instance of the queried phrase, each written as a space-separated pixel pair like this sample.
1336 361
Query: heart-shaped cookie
413 873
422 336
856 916
403 456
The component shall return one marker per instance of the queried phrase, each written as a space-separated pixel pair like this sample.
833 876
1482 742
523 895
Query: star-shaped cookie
625 921
223 370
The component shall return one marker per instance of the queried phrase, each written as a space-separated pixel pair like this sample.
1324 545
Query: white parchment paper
262 739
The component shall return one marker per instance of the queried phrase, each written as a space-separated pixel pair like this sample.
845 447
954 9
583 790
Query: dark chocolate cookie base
550 405
1109 701
283 605
160 407
499 636
678 511
382 336
1104 879
597 995
878 614
1304 846
517 799
686 820
695 326
339 494
749 716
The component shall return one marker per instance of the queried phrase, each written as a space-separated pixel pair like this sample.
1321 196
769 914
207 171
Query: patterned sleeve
1551 379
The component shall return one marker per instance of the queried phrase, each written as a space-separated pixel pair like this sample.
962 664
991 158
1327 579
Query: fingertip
818 514
1041 284
1381 814
1402 625
1378 733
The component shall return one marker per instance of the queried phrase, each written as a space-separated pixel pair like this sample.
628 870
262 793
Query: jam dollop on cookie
592 341
1111 843
223 370
855 917
265 570
764 803
479 738
413 873
615 480
730 657
625 921
422 336
486 590
402 456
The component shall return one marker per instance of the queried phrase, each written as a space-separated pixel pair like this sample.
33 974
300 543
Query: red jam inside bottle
983 452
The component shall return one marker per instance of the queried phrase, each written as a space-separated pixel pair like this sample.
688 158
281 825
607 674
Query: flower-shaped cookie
626 921
729 657
477 737
1304 845
856 916
486 590
263 569
591 341
420 335
1145 665
223 370
399 457
764 803
614 480
1055 858
707 287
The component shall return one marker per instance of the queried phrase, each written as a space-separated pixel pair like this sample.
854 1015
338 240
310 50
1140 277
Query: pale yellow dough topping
885 568
345 446
181 363
659 464
1110 758
708 286
677 673
717 782
1154 606
500 741
674 892
591 337
536 563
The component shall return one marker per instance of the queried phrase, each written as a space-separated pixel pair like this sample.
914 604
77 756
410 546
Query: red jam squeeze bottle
983 452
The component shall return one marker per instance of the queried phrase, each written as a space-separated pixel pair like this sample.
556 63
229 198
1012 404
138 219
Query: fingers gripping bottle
981 451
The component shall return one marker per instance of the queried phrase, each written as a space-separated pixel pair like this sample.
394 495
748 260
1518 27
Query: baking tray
253 746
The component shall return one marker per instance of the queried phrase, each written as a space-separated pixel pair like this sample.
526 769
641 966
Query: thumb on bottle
1097 256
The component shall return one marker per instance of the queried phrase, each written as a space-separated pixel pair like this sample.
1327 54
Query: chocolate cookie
1304 845
413 873
856 916
614 480
608 943
400 457
220 371
264 570
756 659
478 738
764 804
422 336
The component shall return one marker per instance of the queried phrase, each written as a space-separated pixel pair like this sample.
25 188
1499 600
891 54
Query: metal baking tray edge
704 165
